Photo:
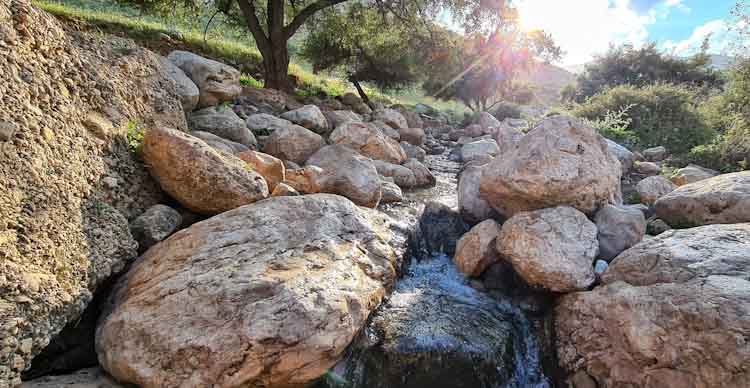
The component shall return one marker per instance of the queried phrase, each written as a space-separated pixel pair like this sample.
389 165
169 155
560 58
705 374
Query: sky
584 28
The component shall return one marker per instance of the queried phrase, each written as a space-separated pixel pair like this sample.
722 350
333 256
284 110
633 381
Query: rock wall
68 180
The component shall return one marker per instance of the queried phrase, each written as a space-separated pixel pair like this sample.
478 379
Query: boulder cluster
634 310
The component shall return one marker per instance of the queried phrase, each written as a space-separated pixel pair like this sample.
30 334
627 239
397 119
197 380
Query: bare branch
308 11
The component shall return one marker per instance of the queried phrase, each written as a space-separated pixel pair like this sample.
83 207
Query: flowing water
438 328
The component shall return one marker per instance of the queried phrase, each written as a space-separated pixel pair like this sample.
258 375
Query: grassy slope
223 42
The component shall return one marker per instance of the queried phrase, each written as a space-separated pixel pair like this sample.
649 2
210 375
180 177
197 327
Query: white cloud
679 4
719 40
586 27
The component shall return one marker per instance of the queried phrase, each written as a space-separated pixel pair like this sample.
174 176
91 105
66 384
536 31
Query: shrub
728 152
506 110
134 135
614 126
661 114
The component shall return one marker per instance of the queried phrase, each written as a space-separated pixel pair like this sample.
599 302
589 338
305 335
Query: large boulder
678 256
652 188
184 86
562 161
415 136
306 180
619 228
441 227
216 81
386 129
724 199
391 117
347 173
422 174
368 141
270 168
655 154
200 178
413 152
264 123
338 117
223 122
475 250
472 207
219 143
667 335
69 183
551 248
691 174
674 313
626 158
391 192
479 149
507 138
223 307
292 142
310 117
402 176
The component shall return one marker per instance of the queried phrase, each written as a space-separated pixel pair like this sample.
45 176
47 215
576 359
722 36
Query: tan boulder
283 189
310 117
306 180
691 174
562 161
475 250
199 177
270 168
653 188
723 199
422 174
347 173
216 81
470 204
415 136
292 142
391 117
551 248
221 307
402 176
368 141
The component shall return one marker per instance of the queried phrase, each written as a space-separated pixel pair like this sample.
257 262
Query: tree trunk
360 91
276 68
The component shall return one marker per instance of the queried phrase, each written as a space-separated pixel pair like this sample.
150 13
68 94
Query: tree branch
308 11
253 24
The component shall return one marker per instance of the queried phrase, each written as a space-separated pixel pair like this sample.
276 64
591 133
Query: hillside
548 80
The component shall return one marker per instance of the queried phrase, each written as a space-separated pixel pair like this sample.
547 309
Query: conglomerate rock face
68 181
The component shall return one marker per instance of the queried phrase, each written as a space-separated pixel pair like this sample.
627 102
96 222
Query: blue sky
586 27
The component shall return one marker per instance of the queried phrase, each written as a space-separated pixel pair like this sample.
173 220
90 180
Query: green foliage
614 126
134 136
626 65
246 80
506 110
659 114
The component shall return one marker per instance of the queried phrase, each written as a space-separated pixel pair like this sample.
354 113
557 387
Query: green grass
223 41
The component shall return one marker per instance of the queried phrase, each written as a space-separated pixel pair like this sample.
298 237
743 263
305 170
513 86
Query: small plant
246 80
614 126
134 136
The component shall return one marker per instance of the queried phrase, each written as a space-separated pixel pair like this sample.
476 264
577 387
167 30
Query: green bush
661 114
728 152
614 126
506 110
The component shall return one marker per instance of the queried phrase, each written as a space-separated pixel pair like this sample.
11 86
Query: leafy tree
626 65
367 45
482 70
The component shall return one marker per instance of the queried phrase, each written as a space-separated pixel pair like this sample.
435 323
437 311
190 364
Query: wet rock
691 174
270 168
223 122
368 141
391 117
200 178
626 158
422 174
310 117
475 250
562 161
415 136
348 173
185 87
619 228
154 225
436 331
413 152
441 227
217 297
678 256
666 335
723 199
655 154
652 188
219 143
479 149
471 205
551 248
391 192
293 142
216 81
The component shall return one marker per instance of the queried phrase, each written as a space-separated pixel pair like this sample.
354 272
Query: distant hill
718 62
548 80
